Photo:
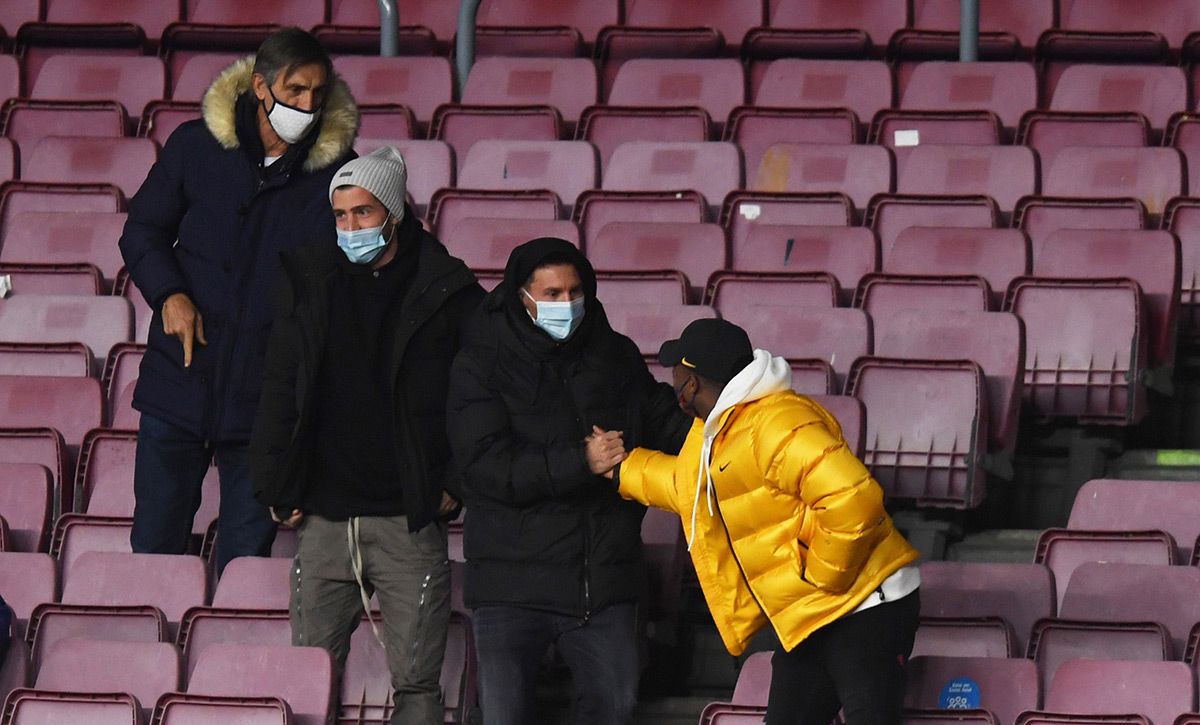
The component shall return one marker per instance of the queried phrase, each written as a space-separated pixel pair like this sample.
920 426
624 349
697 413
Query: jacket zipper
738 561
587 522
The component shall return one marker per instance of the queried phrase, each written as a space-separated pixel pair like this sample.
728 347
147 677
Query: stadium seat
744 210
99 322
904 131
1183 220
485 243
434 159
607 127
859 172
649 287
892 214
10 76
1155 92
542 28
1005 687
142 314
301 676
1111 505
1184 134
1093 372
897 292
29 579
79 22
1006 29
161 118
254 582
649 326
16 13
696 250
449 206
26 503
851 415
824 28
191 78
1055 641
996 255
1160 691
864 87
420 83
62 359
731 19
847 253
71 406
123 162
1063 550
715 85
43 447
29 121
741 294
1020 594
146 670
205 626
131 81
51 623
119 378
104 485
992 339
596 209
33 707
52 279
1004 173
835 336
567 168
21 196
1115 592
63 237
1150 175
173 583
567 84
463 126
1005 89
183 709
977 637
1049 132
1039 217
8 160
76 534
755 129
1100 29
750 691
714 169
1150 258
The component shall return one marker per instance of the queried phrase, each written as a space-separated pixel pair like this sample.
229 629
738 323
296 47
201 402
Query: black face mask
687 406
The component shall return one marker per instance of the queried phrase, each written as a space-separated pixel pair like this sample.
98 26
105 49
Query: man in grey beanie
349 445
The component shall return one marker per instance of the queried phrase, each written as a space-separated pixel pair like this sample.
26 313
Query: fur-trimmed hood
339 117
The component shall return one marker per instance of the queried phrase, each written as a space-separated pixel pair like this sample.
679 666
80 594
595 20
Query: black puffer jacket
541 530
440 299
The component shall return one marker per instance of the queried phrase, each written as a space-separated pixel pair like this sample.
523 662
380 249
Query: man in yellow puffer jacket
785 527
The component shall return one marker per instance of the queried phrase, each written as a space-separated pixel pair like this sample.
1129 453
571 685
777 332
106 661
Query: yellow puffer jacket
798 534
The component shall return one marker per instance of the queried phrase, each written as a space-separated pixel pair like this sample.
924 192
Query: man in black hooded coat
553 553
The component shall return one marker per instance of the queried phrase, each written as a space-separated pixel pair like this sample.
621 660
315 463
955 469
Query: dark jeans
855 664
168 469
600 651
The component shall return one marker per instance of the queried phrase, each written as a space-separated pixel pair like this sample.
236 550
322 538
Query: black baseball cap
716 349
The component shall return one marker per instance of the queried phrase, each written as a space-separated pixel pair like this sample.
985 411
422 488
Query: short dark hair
288 49
552 260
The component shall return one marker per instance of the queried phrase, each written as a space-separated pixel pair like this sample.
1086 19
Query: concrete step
996 545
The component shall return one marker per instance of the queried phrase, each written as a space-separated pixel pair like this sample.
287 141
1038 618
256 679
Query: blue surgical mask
362 246
558 319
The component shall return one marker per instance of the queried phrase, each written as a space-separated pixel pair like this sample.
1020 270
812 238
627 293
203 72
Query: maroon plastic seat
1160 691
741 294
897 292
696 250
1049 132
996 255
851 415
254 582
1020 594
448 206
33 707
142 314
744 210
29 121
957 637
231 25
205 626
23 196
146 670
716 85
463 126
826 28
1101 29
161 118
420 83
71 406
567 84
859 172
1005 89
1063 550
1136 593
131 81
1111 505
892 214
731 19
1055 641
65 359
1038 217
1006 687
596 209
1092 373
120 374
1150 258
749 700
1150 175
10 76
43 447
53 279
1006 29
607 127
847 253
65 238
991 339
191 78
567 168
1156 92
1183 220
8 160
81 22
105 480
51 623
1184 134
903 131
544 27
485 243
171 582
649 326
26 503
29 579
99 322
123 162
714 168
434 159
301 676
1004 173
864 87
648 287
77 534
755 129
665 553
836 336
183 709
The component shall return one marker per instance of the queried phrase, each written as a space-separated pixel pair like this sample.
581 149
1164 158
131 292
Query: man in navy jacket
229 192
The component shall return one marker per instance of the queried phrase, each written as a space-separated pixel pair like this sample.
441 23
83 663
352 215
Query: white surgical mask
362 246
289 122
558 319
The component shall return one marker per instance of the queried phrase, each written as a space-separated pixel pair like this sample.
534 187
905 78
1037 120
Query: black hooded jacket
541 530
441 295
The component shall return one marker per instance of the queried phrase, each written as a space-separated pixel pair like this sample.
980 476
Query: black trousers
855 664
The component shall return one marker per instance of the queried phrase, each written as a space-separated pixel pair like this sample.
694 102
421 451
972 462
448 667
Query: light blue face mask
558 319
362 246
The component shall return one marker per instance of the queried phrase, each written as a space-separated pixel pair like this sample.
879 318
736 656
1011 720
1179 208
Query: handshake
604 450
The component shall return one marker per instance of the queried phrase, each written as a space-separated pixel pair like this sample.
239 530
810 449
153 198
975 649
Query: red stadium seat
69 405
755 129
925 292
696 250
567 84
29 579
864 87
596 209
1151 175
1004 173
714 169
53 279
649 326
1101 29
63 359
146 670
859 172
996 255
30 121
26 503
524 28
99 322
1039 217
161 118
463 126
847 253
835 336
744 210
131 81
1062 551
300 676
607 127
449 206
826 28
1005 89
36 706
716 85
122 162
419 83
1018 594
1006 29
485 243
1160 691
567 168
65 238
891 215
1007 687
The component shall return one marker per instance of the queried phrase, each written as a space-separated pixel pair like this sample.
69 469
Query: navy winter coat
232 219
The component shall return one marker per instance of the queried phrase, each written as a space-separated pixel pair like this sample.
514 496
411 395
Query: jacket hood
338 122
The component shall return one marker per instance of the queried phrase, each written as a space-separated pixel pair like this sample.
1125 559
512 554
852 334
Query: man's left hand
449 503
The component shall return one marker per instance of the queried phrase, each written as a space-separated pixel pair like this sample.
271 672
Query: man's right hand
293 519
604 449
181 319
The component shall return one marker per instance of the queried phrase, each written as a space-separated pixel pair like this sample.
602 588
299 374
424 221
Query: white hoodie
765 375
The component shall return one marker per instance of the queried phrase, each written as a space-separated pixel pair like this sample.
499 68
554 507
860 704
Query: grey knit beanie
381 172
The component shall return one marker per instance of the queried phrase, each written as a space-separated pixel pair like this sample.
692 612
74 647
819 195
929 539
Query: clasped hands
604 450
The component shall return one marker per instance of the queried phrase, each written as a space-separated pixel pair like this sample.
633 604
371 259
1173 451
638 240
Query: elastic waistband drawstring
357 566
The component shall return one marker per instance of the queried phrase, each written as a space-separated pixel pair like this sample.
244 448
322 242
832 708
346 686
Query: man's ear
258 84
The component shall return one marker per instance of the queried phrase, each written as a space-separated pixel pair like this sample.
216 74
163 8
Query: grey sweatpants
410 572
